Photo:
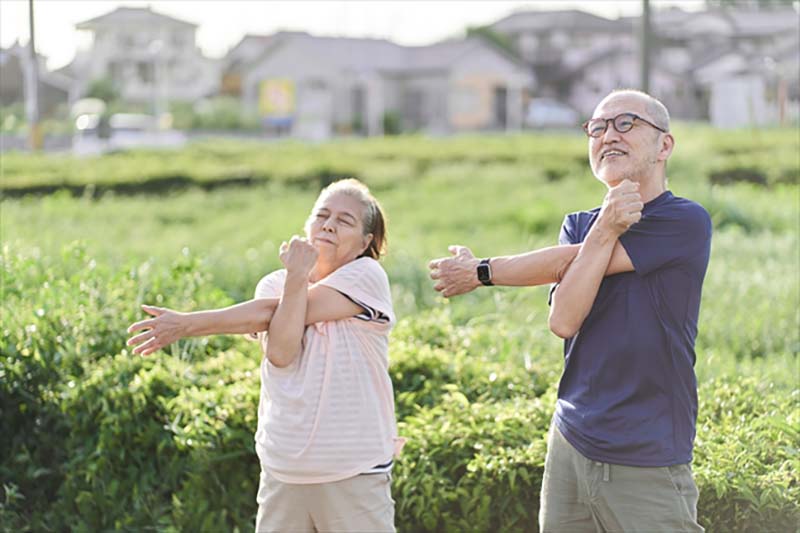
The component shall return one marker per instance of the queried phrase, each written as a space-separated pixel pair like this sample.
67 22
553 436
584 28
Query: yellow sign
276 98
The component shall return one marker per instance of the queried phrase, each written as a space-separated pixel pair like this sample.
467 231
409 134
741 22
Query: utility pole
32 89
644 82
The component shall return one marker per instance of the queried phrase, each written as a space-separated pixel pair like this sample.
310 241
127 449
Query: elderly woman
326 432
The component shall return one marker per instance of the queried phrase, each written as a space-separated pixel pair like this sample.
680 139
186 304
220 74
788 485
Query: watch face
484 274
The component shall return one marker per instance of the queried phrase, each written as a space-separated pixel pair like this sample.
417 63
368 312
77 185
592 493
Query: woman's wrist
192 324
296 280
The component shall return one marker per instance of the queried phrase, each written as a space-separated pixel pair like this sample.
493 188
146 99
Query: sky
221 24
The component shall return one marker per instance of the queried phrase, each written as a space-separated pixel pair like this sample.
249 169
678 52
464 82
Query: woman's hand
167 327
298 256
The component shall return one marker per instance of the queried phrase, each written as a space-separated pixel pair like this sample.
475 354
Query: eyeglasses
622 123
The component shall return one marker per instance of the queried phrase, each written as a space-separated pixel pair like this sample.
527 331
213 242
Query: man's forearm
458 275
538 267
247 317
576 293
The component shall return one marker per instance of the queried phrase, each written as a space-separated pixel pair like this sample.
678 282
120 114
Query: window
126 41
144 72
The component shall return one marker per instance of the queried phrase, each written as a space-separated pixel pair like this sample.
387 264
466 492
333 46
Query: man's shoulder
687 209
581 218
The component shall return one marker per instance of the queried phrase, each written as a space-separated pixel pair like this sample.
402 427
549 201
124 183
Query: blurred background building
733 66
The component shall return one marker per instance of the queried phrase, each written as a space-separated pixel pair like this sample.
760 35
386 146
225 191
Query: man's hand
167 327
622 207
456 275
298 256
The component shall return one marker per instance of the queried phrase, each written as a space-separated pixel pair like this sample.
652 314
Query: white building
148 56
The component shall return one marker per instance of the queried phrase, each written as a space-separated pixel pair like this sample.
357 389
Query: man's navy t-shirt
628 394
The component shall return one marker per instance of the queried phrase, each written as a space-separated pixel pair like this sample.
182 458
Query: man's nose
611 134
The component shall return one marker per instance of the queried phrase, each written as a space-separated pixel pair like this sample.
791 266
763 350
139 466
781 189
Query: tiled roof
358 54
573 20
130 14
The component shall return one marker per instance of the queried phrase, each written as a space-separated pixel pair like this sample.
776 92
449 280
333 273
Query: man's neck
651 189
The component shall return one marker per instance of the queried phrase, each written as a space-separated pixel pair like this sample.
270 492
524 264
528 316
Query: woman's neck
320 271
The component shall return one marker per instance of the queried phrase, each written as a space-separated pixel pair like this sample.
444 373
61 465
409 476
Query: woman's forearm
247 317
287 326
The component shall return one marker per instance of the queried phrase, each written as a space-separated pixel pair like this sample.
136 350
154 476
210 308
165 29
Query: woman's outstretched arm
168 326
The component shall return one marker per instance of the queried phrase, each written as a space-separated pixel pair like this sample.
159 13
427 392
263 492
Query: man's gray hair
653 106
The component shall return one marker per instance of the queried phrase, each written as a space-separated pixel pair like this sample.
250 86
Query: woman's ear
366 242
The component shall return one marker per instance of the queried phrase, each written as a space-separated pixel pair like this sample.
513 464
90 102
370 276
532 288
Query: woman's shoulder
366 266
271 284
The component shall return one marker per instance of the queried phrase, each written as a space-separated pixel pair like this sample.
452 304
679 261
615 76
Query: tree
102 89
498 39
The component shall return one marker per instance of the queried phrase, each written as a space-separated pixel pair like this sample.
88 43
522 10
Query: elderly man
627 279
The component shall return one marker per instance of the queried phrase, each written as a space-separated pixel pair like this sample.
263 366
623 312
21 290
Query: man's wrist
603 234
483 272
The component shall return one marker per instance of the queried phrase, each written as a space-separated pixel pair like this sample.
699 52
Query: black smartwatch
485 272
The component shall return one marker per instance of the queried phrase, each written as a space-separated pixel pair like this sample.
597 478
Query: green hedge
95 439
766 157
472 466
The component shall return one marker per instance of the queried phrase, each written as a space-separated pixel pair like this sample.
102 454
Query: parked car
550 113
96 134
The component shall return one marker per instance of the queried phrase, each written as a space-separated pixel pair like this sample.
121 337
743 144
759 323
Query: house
312 87
553 43
586 83
55 89
248 49
703 64
149 57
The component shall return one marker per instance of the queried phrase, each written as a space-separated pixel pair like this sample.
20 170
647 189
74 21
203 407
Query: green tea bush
63 319
767 158
747 457
472 466
478 465
92 438
161 442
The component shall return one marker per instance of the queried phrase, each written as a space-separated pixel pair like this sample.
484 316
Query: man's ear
667 145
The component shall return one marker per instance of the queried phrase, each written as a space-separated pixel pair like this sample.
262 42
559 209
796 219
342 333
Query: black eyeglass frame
613 121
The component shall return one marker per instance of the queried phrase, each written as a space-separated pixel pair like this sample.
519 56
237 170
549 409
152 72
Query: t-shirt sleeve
365 282
271 285
669 237
567 235
569 231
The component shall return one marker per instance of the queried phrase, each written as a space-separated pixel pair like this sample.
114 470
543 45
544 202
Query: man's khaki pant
360 503
579 494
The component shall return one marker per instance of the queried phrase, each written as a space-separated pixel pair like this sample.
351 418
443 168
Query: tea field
94 438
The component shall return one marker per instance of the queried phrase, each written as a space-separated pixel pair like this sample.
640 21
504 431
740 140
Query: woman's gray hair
374 220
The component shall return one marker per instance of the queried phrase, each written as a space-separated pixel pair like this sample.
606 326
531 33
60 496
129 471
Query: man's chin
608 179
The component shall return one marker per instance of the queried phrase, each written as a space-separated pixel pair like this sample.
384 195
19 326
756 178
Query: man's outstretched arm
458 274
